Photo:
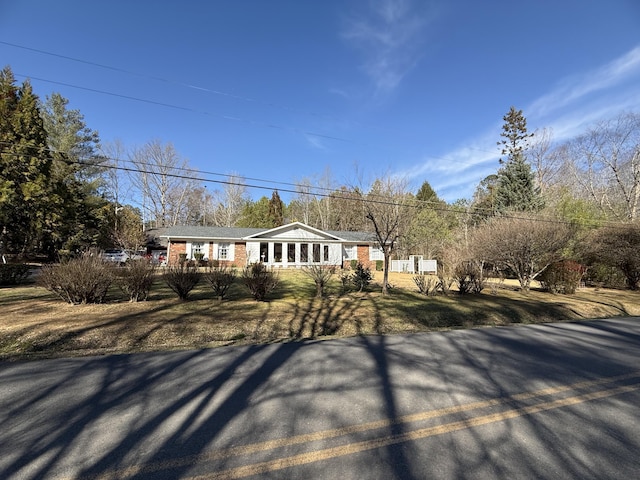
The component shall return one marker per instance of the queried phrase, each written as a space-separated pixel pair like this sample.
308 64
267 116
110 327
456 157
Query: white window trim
375 253
351 252
205 250
230 251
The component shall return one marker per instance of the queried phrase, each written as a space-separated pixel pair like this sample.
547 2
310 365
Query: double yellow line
383 441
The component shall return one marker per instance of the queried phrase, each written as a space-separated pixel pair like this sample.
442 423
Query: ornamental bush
136 278
470 277
562 277
182 278
85 279
427 285
259 280
361 277
320 274
220 278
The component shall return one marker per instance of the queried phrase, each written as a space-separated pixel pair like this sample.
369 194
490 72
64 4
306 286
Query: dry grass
35 324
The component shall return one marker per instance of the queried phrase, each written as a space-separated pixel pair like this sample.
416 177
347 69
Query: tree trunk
385 276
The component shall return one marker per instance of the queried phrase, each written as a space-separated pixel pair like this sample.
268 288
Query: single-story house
288 246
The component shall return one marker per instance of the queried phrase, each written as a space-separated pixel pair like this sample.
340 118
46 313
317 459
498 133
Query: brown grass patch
35 324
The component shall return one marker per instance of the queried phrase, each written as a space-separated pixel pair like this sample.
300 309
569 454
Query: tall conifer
516 189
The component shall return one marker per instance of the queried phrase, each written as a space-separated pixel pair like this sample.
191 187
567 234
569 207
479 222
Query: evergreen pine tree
516 189
276 209
74 176
25 168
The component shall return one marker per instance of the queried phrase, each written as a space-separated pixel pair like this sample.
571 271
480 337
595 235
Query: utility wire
141 167
198 88
167 81
187 109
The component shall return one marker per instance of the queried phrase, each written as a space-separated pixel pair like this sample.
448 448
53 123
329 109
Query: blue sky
283 90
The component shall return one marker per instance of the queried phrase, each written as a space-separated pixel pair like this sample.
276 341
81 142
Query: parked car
139 255
159 257
118 256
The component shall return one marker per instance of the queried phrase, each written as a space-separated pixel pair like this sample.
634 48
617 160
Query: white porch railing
415 264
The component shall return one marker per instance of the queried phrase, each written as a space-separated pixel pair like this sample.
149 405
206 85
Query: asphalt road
545 401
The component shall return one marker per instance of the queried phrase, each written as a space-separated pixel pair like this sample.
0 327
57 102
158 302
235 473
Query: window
350 252
223 251
277 252
291 252
197 248
264 252
375 253
326 253
316 252
304 252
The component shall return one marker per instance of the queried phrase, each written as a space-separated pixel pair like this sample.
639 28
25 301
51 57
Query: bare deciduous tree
526 245
163 181
387 208
606 164
545 159
230 201
300 207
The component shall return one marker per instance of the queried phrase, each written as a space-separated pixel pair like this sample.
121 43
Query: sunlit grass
35 324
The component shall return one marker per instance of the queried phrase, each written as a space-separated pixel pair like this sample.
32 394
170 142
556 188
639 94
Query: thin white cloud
389 36
577 87
315 142
579 101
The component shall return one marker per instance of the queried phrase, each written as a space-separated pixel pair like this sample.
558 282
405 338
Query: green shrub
361 277
182 278
354 264
13 273
85 279
136 279
220 279
259 280
198 258
599 275
379 265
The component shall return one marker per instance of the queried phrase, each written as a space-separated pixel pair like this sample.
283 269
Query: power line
167 81
198 88
139 167
188 109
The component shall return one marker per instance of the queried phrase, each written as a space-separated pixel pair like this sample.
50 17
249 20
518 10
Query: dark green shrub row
13 273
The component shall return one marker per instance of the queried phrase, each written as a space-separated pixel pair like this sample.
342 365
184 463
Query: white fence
415 264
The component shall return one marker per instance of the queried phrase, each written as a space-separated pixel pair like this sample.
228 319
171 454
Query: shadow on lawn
290 313
475 310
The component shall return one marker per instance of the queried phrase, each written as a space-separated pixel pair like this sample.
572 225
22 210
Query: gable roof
236 233
294 230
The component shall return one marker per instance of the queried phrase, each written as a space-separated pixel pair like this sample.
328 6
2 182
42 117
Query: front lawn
36 324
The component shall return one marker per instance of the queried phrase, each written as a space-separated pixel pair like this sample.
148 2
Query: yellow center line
342 431
349 449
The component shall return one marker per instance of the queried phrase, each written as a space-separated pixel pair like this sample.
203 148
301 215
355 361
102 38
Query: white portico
288 246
